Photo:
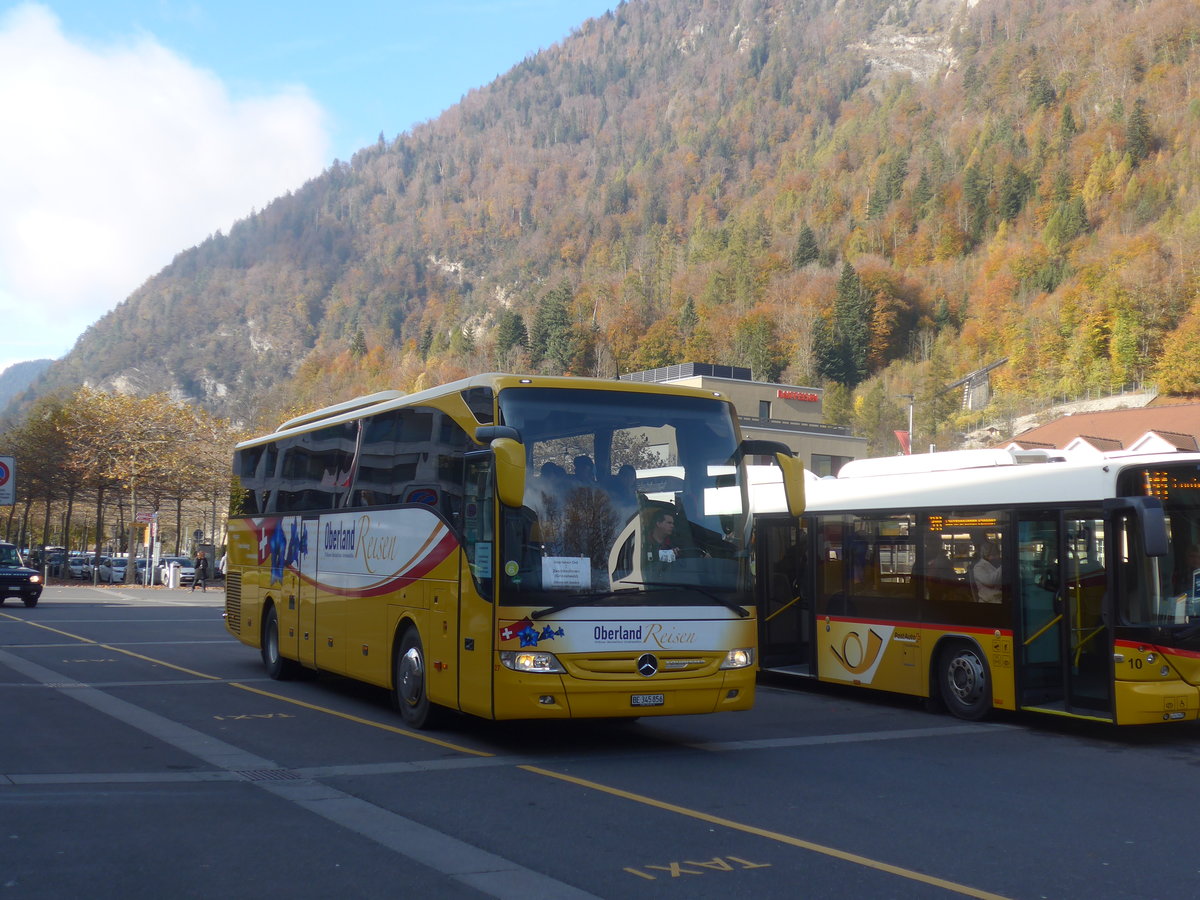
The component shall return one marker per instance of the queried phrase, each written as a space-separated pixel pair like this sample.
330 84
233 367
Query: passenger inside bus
585 471
941 581
986 574
623 491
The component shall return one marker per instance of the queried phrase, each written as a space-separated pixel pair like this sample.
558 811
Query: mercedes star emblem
647 664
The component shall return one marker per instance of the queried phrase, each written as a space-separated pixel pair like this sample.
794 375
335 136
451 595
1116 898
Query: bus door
475 631
304 594
784 601
1065 643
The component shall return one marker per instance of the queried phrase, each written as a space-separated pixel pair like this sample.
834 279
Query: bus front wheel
963 681
411 692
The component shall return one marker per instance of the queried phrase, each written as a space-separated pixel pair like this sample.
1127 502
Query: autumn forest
875 197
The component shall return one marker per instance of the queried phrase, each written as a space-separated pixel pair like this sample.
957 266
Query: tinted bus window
317 468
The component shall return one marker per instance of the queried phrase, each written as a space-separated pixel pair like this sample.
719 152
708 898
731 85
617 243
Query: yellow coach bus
1035 580
506 546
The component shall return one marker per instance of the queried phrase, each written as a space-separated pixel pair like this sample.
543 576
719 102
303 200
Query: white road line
486 872
815 740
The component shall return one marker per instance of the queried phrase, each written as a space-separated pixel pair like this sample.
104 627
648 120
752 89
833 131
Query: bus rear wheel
278 667
963 681
411 692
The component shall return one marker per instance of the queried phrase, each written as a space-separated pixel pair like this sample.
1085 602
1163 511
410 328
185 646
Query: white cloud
114 159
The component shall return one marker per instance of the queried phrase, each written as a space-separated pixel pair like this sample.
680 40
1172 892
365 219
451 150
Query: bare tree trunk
131 554
46 525
67 519
99 533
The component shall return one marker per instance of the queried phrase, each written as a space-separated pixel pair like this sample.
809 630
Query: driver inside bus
1187 577
661 539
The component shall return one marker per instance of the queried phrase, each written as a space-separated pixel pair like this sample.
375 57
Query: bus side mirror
510 471
1148 511
792 469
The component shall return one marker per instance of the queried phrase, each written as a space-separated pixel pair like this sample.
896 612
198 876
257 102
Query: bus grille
611 666
233 602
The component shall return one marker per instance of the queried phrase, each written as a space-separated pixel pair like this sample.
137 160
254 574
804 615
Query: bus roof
965 478
381 401
328 412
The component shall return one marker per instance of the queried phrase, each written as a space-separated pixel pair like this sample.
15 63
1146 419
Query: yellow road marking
361 721
832 852
323 709
82 639
159 662
74 637
865 861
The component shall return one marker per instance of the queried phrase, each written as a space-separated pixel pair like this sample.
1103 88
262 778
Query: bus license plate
647 700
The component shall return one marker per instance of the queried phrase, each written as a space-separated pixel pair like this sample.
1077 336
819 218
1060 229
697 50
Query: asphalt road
144 754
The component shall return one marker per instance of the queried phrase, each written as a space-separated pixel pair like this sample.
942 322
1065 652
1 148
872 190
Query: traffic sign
8 481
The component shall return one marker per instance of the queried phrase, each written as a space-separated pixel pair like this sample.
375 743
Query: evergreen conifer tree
843 340
806 250
1138 139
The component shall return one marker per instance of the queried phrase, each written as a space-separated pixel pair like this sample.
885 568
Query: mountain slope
18 377
683 180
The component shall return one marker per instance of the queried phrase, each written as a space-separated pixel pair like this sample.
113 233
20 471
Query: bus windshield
1176 575
626 494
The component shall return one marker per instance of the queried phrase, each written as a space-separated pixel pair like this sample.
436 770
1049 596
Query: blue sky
143 126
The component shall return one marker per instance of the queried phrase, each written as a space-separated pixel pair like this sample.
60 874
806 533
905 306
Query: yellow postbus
1051 581
510 547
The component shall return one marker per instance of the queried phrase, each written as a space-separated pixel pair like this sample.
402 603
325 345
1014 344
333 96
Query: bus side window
831 591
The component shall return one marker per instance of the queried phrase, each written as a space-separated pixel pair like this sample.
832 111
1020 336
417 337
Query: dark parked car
17 579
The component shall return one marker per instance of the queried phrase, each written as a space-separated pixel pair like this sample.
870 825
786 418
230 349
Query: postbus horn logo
852 649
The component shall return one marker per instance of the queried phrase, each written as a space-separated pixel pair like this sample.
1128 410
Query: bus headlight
531 661
738 659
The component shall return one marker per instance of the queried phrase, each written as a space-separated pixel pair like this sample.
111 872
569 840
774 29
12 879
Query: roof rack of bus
339 408
947 461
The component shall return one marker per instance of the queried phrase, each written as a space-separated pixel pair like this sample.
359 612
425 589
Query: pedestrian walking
201 571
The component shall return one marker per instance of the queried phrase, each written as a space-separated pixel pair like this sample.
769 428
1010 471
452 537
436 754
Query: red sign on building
806 396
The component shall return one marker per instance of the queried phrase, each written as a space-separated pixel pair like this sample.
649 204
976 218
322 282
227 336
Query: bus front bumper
523 696
1147 703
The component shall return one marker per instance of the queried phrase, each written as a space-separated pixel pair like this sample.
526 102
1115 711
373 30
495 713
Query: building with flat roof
790 414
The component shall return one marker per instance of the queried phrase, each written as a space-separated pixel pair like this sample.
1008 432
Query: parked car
17 579
187 572
90 565
112 569
79 565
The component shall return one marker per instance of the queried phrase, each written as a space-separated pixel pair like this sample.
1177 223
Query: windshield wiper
728 604
581 599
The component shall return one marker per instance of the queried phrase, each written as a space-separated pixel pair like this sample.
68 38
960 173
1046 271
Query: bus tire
278 667
964 684
410 688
